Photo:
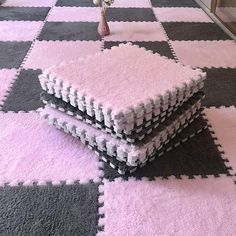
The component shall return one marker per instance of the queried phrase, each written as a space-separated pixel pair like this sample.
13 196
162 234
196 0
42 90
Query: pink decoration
103 28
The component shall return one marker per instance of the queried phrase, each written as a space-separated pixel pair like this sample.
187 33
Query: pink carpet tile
29 3
20 30
6 78
136 31
132 3
181 14
67 14
33 151
206 53
47 53
171 207
223 123
81 74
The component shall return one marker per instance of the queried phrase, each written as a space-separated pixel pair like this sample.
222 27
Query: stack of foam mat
127 104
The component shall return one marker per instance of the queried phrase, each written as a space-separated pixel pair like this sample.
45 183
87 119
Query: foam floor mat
74 82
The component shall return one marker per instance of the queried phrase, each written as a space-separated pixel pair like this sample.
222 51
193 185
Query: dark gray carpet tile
13 53
194 31
156 47
49 210
220 87
24 13
130 14
75 3
25 93
69 31
174 3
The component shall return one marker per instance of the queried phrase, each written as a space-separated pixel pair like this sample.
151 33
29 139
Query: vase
103 28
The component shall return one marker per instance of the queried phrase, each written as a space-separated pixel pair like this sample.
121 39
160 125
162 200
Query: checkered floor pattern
63 188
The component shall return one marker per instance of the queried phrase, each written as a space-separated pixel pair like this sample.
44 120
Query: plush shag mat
51 184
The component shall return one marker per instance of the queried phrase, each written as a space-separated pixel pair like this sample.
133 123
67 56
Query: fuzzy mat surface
50 184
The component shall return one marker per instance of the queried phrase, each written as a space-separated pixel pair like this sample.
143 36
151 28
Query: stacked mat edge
141 132
132 155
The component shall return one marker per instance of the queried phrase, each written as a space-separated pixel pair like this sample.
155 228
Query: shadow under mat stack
127 104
